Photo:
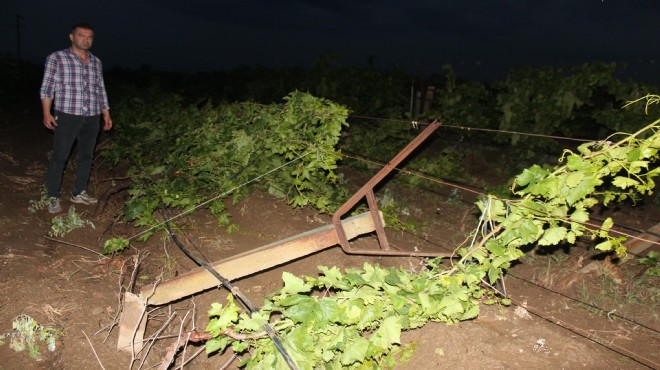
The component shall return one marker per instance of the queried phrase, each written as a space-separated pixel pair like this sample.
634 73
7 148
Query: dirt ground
562 318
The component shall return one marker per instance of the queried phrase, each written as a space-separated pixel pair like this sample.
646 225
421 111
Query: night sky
482 39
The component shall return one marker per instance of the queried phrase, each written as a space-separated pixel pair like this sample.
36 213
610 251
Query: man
73 80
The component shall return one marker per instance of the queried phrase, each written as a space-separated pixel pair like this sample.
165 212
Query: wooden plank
646 240
256 260
131 323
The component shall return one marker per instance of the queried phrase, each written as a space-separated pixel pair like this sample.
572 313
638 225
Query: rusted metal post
132 322
368 191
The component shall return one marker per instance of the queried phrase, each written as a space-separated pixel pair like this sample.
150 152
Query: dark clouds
480 37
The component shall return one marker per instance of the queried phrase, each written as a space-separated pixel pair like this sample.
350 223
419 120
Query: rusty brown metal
131 330
367 190
256 260
132 320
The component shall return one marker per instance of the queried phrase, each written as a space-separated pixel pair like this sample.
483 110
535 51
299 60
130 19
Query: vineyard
551 167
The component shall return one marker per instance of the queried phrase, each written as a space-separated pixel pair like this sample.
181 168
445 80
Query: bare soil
562 318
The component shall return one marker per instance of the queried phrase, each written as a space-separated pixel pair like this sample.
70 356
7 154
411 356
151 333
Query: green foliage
356 323
572 101
553 204
354 319
115 245
39 204
27 333
466 103
62 225
209 152
652 260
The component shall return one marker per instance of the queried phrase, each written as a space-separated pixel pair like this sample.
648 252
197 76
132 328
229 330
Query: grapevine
202 152
354 319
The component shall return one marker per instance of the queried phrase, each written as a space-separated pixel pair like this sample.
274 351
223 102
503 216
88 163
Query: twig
197 354
93 350
138 262
169 356
120 302
75 245
191 336
226 365
120 305
183 356
137 325
153 338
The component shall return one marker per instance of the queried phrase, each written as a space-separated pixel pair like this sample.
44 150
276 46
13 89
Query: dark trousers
70 128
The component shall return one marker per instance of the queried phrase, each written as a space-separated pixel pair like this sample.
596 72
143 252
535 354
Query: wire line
189 211
469 128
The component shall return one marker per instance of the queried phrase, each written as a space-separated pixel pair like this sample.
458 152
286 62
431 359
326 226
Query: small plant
652 260
392 210
36 205
114 245
455 197
62 225
26 334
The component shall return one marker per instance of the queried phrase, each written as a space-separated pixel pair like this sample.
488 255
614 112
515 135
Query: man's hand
107 121
49 121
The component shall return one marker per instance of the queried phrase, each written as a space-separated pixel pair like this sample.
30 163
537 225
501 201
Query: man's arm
105 107
47 92
49 120
107 121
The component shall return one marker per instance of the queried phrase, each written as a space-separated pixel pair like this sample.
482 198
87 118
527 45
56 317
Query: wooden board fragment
646 241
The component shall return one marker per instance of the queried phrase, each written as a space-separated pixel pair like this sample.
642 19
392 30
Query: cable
466 187
589 336
583 303
468 128
187 212
232 288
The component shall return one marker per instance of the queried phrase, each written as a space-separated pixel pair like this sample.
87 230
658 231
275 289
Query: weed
455 197
26 334
553 261
62 225
36 205
653 263
114 245
586 295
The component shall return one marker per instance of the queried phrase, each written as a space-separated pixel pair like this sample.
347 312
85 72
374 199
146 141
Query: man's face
82 38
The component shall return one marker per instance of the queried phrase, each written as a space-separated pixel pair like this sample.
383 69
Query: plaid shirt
75 87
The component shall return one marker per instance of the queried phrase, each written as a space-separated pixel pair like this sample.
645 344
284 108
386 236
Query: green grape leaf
293 284
624 182
574 178
553 235
387 334
356 351
580 215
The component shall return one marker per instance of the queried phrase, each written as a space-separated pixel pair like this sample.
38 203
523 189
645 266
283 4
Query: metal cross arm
368 191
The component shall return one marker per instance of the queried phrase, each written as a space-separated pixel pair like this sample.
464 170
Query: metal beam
367 190
132 322
255 260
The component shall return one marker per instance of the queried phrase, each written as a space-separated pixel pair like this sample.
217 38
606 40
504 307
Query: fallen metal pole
132 323
256 260
368 191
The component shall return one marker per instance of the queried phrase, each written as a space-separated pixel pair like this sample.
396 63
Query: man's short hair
82 25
